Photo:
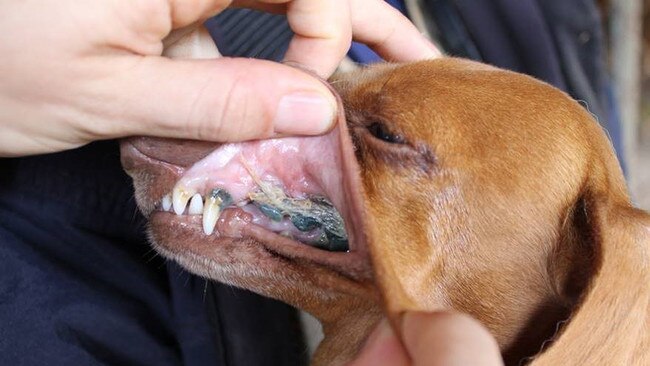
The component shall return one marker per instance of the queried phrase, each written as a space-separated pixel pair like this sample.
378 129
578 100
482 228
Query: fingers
220 100
448 339
382 348
228 100
185 12
323 34
388 32
429 339
324 30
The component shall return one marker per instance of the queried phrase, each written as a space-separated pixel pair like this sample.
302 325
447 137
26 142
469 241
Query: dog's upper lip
150 152
166 150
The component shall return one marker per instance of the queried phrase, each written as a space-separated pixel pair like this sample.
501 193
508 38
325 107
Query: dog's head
460 185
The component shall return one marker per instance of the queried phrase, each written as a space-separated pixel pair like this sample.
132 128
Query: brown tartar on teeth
215 203
305 214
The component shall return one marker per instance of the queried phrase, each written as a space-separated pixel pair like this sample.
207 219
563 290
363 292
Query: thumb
223 99
450 339
381 348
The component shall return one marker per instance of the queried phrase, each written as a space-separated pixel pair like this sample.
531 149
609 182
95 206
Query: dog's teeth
167 202
222 197
287 234
215 202
196 205
180 197
211 212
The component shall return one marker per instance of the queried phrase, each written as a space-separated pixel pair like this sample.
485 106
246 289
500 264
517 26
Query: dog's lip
349 213
356 260
158 150
352 264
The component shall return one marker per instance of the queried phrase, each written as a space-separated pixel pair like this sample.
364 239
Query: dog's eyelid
380 131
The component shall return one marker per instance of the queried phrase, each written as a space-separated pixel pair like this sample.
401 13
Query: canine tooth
216 201
180 196
222 197
211 212
167 202
196 205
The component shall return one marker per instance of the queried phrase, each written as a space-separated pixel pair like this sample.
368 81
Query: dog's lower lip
352 264
230 220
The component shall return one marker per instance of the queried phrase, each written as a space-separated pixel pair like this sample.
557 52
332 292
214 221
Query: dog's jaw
337 288
256 259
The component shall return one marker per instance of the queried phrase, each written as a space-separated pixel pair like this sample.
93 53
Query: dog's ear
611 321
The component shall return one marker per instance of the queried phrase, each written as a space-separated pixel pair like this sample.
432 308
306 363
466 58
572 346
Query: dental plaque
244 190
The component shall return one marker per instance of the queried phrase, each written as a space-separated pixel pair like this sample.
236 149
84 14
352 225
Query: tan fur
505 202
522 219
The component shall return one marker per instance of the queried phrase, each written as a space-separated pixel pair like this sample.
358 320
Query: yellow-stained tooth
180 197
211 212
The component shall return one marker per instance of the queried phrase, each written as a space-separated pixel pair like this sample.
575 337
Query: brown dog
461 187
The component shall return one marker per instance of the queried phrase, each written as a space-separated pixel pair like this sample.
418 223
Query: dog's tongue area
303 188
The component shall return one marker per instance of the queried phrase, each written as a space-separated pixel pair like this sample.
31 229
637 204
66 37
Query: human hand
74 72
445 339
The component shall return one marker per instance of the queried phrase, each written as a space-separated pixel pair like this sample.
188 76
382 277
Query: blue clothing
79 285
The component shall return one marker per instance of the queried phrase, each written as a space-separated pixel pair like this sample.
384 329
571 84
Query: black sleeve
79 285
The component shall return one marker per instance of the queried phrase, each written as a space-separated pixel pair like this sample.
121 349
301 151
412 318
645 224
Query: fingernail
304 114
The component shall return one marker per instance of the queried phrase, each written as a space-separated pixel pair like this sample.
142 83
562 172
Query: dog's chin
260 261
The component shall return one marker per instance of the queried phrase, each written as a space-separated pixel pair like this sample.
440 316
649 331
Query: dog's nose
181 153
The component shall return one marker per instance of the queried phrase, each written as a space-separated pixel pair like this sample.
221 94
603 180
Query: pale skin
74 72
431 339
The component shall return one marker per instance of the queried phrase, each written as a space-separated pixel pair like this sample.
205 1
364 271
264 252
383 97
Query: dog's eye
380 131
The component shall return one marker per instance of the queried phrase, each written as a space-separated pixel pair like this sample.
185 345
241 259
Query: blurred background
627 23
642 127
